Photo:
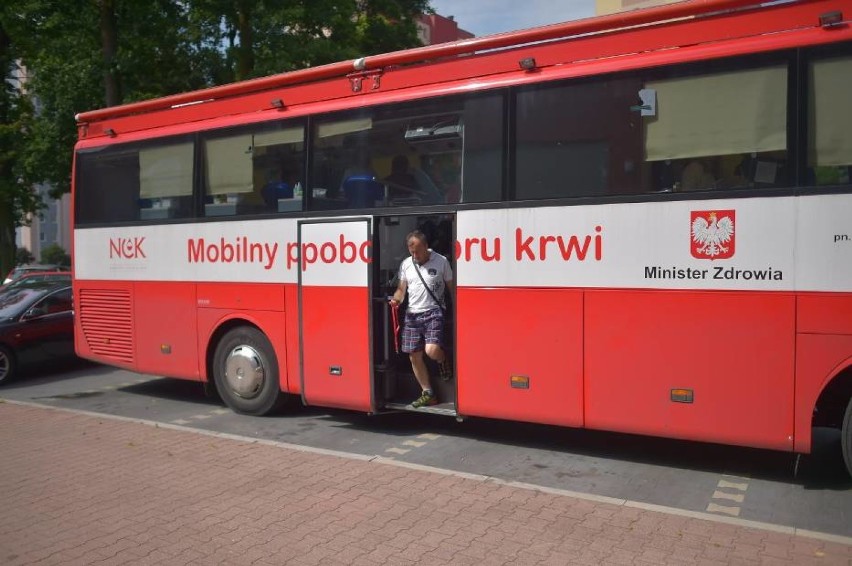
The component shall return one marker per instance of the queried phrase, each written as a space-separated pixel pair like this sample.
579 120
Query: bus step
446 409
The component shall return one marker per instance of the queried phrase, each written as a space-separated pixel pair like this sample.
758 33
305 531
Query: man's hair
417 234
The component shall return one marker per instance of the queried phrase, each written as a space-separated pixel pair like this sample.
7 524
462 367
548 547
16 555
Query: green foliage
23 256
17 199
86 54
55 255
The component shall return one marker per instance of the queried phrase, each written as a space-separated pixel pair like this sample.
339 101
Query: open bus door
334 313
395 384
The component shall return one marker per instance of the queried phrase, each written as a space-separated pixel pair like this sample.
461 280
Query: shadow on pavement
823 469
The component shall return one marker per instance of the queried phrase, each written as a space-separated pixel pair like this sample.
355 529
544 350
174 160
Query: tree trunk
7 238
109 48
245 51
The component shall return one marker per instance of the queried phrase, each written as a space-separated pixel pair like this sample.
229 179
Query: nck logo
712 234
126 248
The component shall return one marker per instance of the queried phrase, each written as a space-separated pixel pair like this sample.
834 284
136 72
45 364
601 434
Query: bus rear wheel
245 370
846 437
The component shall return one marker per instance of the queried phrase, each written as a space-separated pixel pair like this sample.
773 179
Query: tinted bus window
254 171
432 152
127 183
830 121
669 131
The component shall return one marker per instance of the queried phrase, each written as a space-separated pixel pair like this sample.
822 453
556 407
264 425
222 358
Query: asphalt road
751 484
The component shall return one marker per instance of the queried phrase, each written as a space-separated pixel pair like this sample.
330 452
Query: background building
52 226
434 28
603 7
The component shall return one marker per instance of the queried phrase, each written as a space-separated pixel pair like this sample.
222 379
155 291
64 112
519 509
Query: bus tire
846 437
245 370
8 365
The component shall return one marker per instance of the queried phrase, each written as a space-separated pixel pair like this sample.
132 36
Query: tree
54 254
17 198
264 38
23 256
87 54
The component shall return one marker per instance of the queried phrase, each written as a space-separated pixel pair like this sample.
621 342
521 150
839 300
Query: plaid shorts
422 328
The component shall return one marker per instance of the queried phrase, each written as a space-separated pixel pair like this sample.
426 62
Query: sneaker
445 369
427 398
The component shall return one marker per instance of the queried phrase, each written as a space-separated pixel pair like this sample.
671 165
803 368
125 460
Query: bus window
343 165
484 132
165 181
254 171
132 182
409 155
722 130
830 121
571 137
669 131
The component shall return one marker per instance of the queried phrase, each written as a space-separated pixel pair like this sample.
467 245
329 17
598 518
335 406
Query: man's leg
434 338
421 372
435 352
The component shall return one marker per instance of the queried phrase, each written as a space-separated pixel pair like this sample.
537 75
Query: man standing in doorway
425 275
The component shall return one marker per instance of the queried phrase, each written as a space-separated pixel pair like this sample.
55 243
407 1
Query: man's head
418 246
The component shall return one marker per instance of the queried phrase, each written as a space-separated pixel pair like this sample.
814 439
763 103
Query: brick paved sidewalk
80 489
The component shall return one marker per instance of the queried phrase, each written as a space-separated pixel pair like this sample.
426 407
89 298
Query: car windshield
13 303
22 270
16 302
35 280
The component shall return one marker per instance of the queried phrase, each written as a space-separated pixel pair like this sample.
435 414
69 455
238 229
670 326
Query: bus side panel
536 333
242 296
734 351
336 347
824 314
166 332
818 358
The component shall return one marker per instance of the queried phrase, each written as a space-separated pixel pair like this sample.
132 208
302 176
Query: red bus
647 215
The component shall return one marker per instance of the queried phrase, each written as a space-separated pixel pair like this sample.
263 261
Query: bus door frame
335 371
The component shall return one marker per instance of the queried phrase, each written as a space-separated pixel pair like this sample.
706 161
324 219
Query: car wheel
8 365
245 370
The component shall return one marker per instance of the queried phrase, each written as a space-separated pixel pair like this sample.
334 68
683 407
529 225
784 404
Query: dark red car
22 270
36 325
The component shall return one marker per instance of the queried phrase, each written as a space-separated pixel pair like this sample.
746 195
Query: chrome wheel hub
244 372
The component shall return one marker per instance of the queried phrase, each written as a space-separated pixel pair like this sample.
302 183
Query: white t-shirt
436 272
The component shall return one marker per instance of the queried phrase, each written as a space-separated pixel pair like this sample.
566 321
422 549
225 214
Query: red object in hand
395 323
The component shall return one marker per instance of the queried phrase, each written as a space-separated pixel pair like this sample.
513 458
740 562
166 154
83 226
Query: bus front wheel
846 437
245 370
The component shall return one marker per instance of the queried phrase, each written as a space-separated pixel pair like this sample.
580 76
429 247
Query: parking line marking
414 443
429 436
737 497
398 450
733 485
713 508
181 422
201 417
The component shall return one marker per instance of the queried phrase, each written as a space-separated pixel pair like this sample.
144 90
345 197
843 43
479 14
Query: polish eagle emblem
712 234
